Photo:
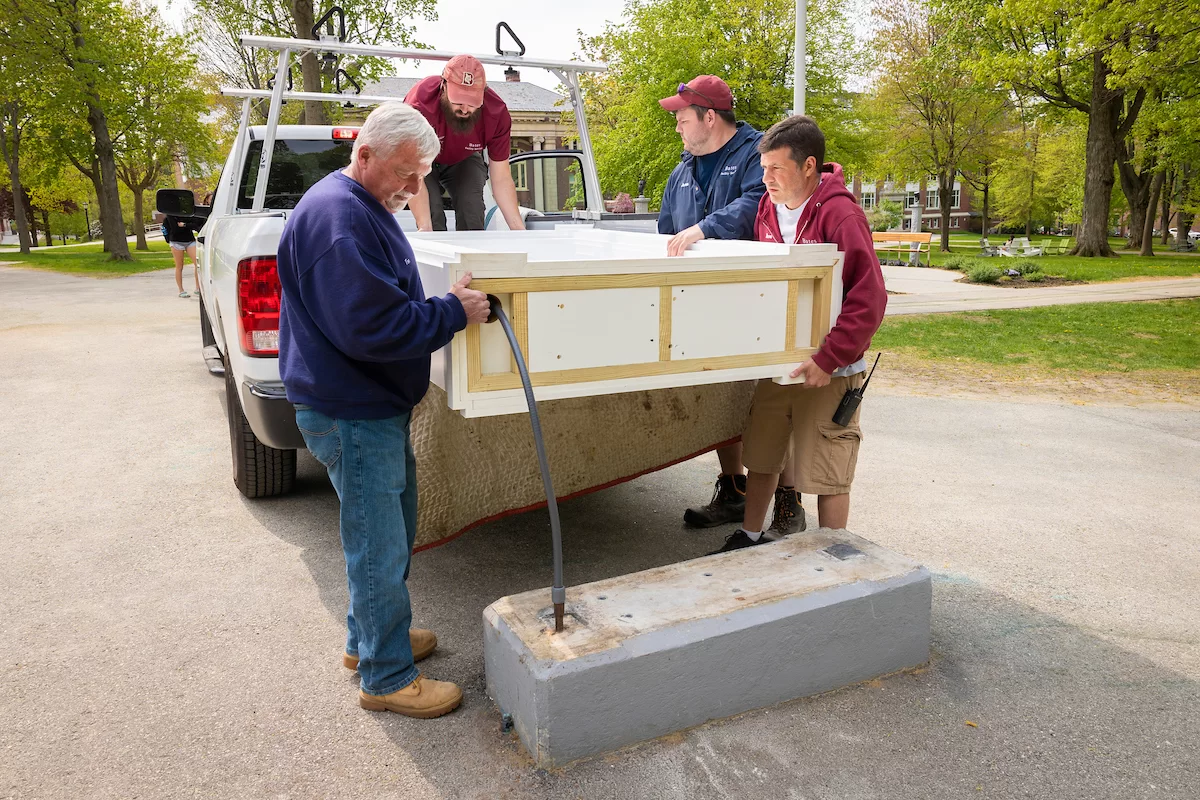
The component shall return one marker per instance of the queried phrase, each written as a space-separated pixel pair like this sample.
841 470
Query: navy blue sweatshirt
726 208
355 328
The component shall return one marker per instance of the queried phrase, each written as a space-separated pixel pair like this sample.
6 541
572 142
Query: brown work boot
423 644
424 698
789 514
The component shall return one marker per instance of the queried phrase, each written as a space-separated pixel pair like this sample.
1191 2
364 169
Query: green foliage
885 215
1101 337
1025 266
984 273
748 43
91 261
959 262
1035 277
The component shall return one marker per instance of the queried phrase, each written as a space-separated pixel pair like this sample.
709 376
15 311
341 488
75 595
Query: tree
382 22
78 47
1103 59
748 43
17 103
941 114
162 122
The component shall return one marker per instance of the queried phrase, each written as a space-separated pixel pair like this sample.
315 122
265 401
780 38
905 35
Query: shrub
959 262
1035 277
1025 266
984 273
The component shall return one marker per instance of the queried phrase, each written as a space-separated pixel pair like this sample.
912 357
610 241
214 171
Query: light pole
87 221
798 81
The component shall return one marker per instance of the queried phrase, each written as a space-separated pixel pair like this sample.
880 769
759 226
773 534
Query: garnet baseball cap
465 80
706 91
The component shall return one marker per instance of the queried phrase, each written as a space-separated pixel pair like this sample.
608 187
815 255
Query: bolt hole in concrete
602 597
708 574
627 616
820 569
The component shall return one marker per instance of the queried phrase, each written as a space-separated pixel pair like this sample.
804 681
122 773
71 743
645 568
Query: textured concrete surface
930 291
163 637
653 652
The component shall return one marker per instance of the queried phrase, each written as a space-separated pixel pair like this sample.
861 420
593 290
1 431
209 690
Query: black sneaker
789 514
728 504
738 539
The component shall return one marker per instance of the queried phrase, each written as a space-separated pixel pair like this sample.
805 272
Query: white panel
592 328
728 319
804 310
495 354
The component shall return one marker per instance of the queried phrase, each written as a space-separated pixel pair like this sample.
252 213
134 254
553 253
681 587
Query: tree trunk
1165 224
33 231
10 144
986 213
1136 187
139 225
314 112
1148 225
945 186
46 228
107 192
1101 156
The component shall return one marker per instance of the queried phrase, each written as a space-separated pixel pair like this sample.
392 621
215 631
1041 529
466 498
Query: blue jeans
374 472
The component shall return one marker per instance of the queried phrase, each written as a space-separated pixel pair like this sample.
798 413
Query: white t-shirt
788 218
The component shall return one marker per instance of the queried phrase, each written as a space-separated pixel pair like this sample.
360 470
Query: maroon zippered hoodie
833 216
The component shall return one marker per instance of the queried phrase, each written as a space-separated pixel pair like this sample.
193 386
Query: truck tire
258 470
206 333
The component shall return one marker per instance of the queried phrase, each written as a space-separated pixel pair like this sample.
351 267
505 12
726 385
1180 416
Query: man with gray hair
355 335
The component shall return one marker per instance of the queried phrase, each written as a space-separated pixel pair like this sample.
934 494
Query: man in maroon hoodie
807 202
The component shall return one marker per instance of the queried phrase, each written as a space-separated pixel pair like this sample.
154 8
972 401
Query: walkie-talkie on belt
851 399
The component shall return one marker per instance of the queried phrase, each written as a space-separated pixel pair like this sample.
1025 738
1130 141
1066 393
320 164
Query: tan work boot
423 644
423 698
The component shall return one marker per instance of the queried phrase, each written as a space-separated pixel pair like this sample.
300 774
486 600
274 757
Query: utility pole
798 83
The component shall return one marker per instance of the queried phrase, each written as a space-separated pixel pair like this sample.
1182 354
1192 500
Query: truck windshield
295 166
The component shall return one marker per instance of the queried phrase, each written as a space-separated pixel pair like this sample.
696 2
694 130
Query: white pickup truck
240 292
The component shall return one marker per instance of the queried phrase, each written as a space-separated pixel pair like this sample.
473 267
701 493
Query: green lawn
92 261
1091 337
1125 265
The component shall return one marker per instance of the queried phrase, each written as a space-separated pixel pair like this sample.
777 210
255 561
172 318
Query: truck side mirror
176 202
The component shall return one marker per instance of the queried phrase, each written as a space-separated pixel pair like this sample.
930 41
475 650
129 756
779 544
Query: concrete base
658 651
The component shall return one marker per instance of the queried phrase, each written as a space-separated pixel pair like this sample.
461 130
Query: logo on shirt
684 185
729 170
468 79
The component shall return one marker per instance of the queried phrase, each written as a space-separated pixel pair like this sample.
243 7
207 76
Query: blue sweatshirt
726 209
355 328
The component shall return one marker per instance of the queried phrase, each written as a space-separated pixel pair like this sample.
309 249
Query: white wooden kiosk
601 312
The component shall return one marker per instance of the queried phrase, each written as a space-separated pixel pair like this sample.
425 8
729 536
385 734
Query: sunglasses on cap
683 87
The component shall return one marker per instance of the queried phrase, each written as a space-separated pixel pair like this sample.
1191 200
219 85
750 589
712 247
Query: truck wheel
258 470
206 332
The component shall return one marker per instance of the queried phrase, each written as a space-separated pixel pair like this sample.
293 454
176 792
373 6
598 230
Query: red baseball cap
706 91
465 80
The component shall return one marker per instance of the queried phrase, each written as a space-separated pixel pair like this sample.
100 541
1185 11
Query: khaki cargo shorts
826 453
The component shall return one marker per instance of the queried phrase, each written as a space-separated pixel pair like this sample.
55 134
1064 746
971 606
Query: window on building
954 222
520 171
955 196
913 200
931 199
868 201
935 223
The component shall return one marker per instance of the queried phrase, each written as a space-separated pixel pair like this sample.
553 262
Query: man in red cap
713 193
469 119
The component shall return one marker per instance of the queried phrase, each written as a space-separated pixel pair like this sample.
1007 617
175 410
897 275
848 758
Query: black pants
464 181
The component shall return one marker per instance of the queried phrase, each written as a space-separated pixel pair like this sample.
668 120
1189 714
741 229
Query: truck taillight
345 133
258 305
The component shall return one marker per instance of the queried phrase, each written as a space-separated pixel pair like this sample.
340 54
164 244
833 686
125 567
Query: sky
470 26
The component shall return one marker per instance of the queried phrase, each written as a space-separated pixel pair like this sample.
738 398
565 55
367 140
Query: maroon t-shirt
493 131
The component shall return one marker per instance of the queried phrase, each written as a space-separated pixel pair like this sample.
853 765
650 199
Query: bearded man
470 120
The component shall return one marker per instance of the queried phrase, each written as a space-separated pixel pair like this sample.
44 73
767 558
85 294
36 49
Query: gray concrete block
654 652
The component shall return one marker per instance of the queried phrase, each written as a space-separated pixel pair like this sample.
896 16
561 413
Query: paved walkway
930 291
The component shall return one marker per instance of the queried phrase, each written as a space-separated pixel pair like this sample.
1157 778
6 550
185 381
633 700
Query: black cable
558 593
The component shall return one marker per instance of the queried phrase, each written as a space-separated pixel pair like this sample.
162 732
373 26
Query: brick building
870 192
